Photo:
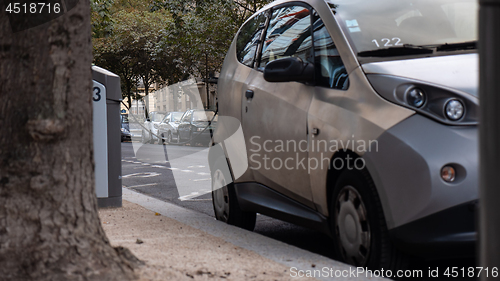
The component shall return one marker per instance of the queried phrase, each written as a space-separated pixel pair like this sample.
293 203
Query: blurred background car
167 129
150 130
193 126
125 129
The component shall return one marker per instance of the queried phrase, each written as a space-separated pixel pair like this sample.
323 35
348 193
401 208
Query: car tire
225 201
192 141
358 224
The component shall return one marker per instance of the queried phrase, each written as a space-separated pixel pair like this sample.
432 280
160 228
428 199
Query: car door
185 125
274 115
163 126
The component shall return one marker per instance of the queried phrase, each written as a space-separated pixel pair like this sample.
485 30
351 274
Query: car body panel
462 70
154 118
404 150
277 113
188 128
357 116
406 169
168 125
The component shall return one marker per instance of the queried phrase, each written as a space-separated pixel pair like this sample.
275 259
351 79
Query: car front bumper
424 214
448 233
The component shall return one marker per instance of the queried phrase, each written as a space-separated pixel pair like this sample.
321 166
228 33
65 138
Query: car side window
249 40
330 70
288 35
187 116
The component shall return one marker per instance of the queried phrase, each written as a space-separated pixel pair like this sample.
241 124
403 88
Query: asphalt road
180 175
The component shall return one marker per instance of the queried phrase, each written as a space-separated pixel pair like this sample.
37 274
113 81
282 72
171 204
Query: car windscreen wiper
405 50
470 45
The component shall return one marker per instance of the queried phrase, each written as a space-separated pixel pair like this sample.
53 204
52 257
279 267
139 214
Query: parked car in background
150 130
360 120
194 126
167 129
125 129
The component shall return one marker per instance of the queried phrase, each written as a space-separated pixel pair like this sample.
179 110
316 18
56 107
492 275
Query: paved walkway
181 244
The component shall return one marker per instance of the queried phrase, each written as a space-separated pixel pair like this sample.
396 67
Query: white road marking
190 196
141 175
202 180
203 174
158 166
141 185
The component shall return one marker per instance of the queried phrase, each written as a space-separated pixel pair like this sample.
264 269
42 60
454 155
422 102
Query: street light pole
489 91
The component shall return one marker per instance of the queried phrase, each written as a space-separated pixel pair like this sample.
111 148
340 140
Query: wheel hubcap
220 196
352 227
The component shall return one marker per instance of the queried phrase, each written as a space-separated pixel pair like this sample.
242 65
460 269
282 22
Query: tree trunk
49 224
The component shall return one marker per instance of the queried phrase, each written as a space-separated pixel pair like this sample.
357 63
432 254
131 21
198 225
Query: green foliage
165 41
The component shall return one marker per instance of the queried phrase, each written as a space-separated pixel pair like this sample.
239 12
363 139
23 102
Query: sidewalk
180 244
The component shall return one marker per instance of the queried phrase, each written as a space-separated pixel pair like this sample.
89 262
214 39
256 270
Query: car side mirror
147 119
288 70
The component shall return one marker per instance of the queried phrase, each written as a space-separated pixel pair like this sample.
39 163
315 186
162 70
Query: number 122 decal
386 42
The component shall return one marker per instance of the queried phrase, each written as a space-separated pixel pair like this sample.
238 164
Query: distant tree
165 41
140 47
49 223
206 29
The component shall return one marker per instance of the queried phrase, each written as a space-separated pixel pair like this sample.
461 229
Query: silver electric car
356 118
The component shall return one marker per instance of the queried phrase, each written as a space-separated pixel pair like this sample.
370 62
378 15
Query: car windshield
158 117
385 28
203 116
176 116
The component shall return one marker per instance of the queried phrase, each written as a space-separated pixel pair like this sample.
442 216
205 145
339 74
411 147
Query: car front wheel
358 224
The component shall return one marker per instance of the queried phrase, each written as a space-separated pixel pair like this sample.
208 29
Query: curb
274 250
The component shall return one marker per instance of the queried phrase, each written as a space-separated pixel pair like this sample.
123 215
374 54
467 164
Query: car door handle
249 94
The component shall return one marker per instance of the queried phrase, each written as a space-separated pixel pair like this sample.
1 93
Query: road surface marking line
202 180
141 185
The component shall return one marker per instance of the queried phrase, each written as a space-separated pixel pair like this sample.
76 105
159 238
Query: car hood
455 71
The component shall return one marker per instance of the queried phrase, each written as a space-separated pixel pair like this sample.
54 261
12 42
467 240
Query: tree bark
49 224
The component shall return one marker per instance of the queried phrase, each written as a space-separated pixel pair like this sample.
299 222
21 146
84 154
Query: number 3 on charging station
97 94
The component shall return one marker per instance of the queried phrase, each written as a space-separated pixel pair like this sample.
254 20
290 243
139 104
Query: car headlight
454 110
124 130
201 129
156 126
446 105
415 97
